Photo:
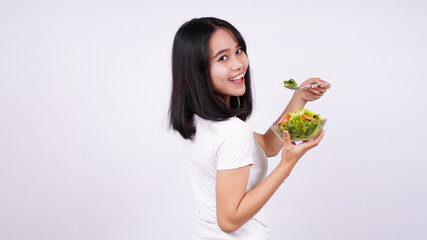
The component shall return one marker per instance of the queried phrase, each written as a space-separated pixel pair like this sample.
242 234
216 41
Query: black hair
191 84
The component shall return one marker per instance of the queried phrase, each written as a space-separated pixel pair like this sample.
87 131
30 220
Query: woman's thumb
286 138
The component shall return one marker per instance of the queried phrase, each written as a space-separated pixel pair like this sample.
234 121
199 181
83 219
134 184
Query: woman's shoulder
231 126
233 122
237 123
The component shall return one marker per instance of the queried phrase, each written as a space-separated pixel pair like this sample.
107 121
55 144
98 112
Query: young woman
211 99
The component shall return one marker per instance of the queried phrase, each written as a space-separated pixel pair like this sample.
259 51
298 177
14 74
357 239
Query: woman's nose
236 64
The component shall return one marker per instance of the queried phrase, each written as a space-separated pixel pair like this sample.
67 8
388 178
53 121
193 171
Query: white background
85 152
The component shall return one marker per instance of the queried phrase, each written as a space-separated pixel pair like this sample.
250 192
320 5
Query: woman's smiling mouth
239 79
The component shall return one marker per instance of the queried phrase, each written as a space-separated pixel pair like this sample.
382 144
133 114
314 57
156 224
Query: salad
290 83
301 125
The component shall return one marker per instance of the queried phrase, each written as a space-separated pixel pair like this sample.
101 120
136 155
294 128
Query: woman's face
228 64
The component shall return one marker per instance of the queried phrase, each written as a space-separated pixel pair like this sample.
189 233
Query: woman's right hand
292 152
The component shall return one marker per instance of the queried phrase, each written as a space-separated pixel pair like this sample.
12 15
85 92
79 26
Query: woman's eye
223 58
239 51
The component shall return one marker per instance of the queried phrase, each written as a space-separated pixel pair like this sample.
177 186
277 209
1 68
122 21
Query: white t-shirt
216 146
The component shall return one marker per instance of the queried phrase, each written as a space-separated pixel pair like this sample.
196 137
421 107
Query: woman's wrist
285 168
298 99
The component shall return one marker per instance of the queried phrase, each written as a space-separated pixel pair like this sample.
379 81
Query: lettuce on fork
291 83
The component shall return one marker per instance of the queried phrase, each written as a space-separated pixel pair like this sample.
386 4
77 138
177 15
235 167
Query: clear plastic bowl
312 133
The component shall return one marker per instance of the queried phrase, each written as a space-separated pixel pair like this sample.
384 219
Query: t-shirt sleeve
236 148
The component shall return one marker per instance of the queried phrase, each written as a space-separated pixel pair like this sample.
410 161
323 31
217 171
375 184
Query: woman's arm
235 206
268 141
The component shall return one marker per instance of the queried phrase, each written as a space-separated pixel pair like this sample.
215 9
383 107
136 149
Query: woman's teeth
238 77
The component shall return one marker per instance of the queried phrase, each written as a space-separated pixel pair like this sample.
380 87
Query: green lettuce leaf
291 83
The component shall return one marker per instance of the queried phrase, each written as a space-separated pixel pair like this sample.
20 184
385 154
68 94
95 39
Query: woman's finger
286 138
325 86
311 81
315 92
311 144
316 80
322 90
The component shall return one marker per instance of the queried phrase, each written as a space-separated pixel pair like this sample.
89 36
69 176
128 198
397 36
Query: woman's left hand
312 93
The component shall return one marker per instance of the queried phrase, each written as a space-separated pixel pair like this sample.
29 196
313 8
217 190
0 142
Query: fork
303 87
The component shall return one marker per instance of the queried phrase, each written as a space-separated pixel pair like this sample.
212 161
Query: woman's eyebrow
221 52
225 50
